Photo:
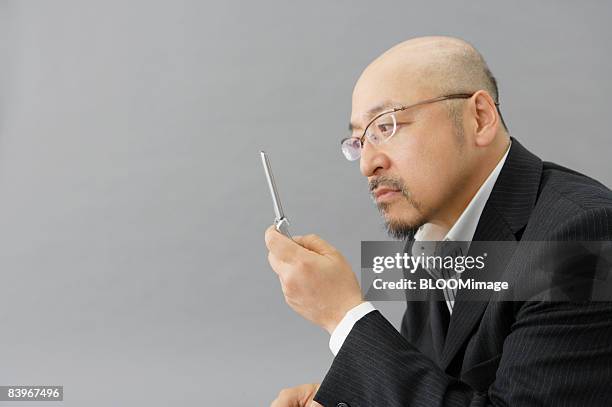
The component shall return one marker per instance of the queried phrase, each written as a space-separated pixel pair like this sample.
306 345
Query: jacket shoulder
571 205
572 187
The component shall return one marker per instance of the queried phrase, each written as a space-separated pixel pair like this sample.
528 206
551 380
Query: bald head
445 64
433 66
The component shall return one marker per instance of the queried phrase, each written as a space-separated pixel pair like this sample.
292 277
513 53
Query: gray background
132 199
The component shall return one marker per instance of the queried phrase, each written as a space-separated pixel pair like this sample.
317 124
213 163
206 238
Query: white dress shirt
463 230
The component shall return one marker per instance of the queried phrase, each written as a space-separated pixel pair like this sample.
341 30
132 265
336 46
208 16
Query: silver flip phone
281 223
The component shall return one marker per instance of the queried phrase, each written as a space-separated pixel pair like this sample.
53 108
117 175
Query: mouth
385 194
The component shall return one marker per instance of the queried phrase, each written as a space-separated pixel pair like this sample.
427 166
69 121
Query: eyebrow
372 112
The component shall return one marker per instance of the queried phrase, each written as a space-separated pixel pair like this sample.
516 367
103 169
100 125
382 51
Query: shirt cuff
345 326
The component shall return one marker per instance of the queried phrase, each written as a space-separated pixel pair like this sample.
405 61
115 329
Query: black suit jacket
496 353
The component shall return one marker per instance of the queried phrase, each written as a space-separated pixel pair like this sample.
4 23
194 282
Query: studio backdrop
132 199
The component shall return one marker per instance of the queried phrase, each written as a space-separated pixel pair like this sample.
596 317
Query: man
450 171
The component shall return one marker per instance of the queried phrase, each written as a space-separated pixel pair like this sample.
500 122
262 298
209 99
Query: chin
399 212
402 224
401 230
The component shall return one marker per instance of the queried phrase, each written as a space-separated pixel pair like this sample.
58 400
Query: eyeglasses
384 126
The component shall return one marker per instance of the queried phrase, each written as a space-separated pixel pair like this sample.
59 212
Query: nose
372 160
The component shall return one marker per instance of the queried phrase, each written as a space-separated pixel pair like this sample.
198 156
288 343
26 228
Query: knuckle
299 265
290 285
289 302
303 264
268 241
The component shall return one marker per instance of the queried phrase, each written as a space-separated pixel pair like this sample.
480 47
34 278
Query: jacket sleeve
557 353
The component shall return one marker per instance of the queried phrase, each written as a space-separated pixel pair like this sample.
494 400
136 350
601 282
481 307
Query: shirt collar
465 226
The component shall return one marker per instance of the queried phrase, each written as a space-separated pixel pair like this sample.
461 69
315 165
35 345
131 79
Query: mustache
389 182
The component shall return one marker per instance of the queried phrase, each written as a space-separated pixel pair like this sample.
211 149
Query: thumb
315 243
315 404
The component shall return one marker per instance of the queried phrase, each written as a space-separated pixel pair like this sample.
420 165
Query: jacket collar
515 192
504 217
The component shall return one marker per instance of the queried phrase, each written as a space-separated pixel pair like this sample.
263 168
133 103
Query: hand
300 396
316 279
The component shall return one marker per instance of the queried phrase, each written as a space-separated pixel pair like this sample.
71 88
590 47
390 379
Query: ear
487 120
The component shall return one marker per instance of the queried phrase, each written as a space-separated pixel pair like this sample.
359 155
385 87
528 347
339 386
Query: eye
385 128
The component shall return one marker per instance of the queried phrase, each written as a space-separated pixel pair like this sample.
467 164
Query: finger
269 236
277 265
285 398
315 243
313 394
277 402
283 248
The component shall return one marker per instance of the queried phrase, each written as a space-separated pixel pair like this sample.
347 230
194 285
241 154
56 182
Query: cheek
428 160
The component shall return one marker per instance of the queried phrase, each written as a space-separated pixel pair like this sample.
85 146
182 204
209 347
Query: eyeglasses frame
398 109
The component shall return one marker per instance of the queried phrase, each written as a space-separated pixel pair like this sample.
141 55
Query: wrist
331 325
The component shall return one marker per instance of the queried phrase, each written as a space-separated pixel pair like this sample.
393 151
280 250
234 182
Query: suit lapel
504 216
468 310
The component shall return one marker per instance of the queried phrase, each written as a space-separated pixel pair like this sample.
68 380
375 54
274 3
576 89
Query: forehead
382 86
